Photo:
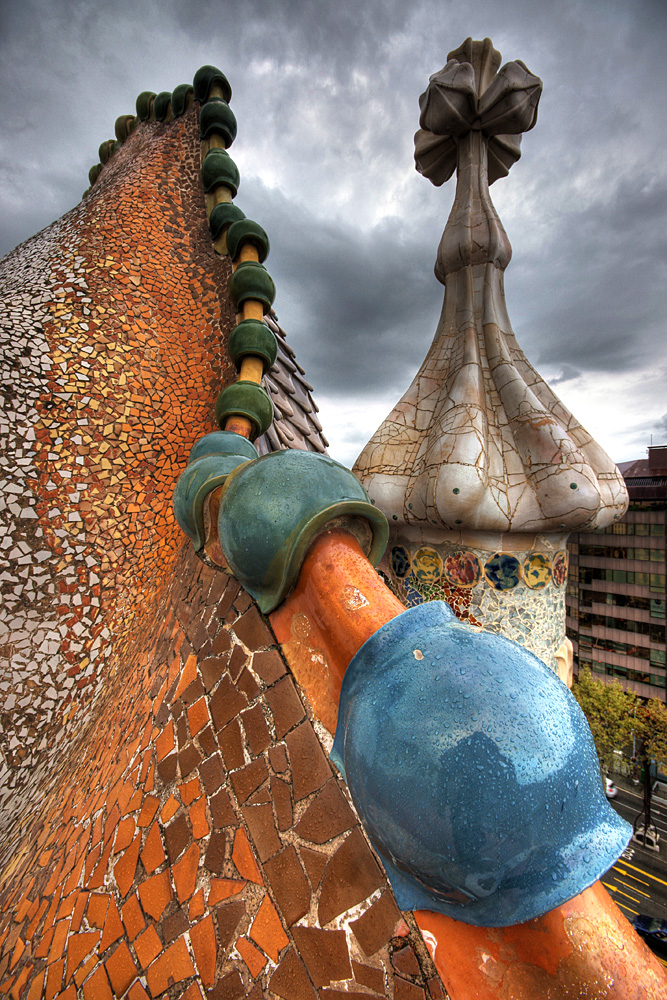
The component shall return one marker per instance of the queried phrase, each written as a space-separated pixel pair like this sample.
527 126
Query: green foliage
652 731
615 715
611 714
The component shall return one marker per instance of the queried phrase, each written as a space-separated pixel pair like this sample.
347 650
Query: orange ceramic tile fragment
223 888
137 992
152 854
132 917
135 801
148 784
69 994
173 966
22 978
155 894
197 812
124 835
99 873
252 958
19 948
113 928
169 809
196 907
121 969
185 873
54 979
198 716
267 930
148 810
188 674
42 949
127 865
98 905
189 791
244 859
192 993
202 936
67 905
58 944
147 946
32 926
35 991
79 907
78 946
97 987
164 744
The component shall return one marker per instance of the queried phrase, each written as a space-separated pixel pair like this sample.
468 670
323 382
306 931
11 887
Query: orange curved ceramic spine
585 948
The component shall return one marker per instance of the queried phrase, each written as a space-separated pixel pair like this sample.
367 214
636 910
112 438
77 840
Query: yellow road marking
628 875
648 874
640 891
614 888
628 908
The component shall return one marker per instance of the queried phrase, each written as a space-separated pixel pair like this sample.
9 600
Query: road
638 880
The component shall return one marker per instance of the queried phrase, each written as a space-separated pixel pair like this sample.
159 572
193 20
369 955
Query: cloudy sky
326 98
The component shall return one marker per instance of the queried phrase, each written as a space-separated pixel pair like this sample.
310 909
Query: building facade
616 586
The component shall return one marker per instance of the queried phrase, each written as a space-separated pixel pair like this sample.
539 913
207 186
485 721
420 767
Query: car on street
653 931
610 789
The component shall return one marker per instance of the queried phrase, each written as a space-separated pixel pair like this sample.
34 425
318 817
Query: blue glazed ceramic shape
473 770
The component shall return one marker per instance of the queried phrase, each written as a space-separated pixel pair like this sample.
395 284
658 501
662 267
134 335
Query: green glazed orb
251 337
123 127
244 232
94 173
222 216
211 460
251 280
271 511
161 105
180 98
218 169
205 77
145 104
216 117
245 399
106 150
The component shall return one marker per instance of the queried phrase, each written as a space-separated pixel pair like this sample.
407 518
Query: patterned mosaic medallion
427 565
462 569
559 569
503 571
400 562
537 571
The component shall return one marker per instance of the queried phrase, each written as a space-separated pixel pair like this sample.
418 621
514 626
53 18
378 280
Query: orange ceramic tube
584 949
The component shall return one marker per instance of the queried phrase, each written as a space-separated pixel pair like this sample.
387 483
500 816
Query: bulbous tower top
479 441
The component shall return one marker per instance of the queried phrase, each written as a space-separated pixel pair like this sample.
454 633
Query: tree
615 717
651 733
610 712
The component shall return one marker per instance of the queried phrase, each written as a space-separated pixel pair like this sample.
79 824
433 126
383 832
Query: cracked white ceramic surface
479 441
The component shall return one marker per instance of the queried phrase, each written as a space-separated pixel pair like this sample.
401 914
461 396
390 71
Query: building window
657 608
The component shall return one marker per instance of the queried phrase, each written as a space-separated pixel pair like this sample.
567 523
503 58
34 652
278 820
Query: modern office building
616 586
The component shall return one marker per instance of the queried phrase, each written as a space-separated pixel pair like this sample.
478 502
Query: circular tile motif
462 569
502 571
559 569
427 565
537 570
400 562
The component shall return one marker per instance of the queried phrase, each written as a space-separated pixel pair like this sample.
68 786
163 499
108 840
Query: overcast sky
326 98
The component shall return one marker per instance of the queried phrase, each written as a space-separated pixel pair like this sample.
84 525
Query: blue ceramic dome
473 770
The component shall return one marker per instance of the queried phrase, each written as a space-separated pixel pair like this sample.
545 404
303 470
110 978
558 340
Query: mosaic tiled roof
170 824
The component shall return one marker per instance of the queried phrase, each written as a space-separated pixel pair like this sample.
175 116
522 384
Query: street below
638 880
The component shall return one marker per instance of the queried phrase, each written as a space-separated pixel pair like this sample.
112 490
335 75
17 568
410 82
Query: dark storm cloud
326 99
